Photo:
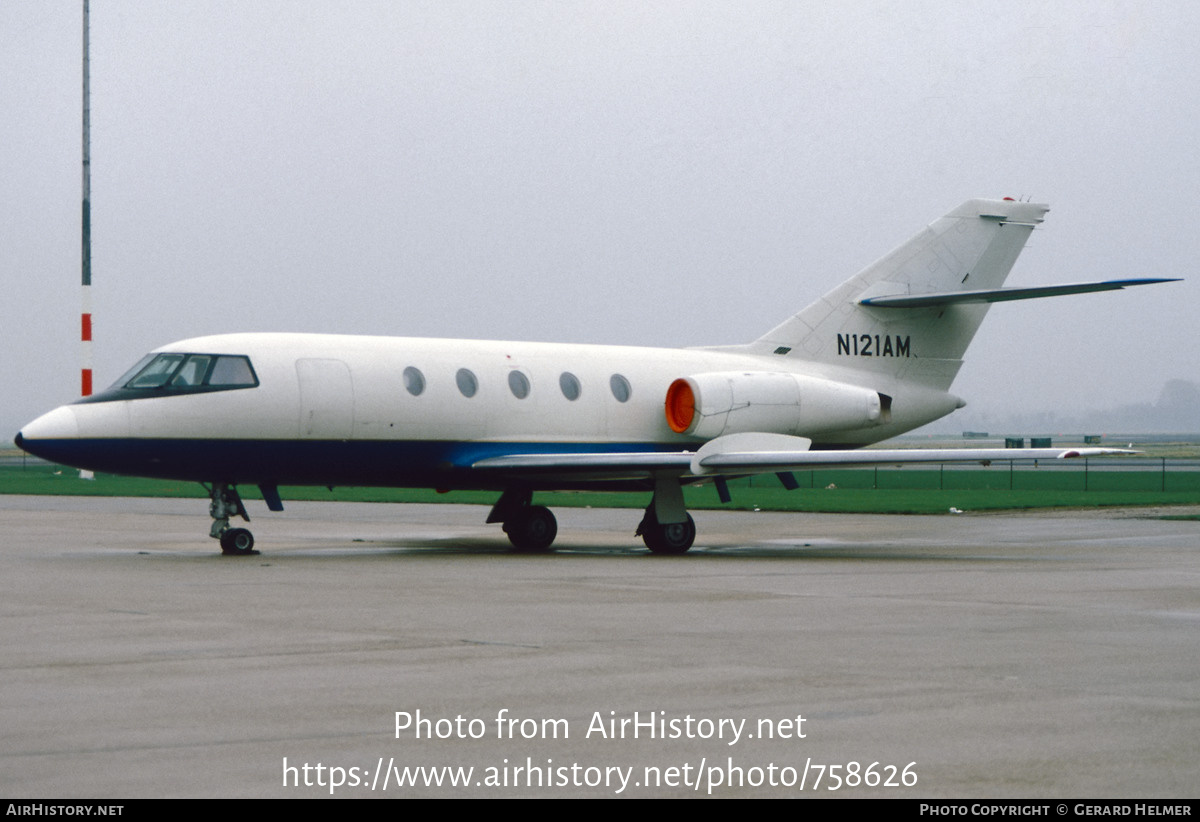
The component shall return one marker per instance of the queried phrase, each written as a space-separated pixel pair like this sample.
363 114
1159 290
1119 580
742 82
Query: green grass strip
833 491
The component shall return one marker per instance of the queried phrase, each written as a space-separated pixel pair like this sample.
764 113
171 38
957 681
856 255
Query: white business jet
871 359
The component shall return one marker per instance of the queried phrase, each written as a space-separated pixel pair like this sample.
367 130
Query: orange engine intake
680 406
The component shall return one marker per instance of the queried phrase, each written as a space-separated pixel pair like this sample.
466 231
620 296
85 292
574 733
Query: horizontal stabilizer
999 295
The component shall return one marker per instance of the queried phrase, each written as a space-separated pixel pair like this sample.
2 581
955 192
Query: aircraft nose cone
59 424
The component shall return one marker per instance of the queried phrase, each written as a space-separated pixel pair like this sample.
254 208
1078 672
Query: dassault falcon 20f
873 358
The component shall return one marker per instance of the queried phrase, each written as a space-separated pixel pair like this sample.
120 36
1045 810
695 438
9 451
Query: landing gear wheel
532 529
237 542
672 539
226 503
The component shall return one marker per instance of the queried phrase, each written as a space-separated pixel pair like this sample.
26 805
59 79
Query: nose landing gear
237 542
226 502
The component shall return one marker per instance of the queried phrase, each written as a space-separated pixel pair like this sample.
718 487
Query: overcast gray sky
612 172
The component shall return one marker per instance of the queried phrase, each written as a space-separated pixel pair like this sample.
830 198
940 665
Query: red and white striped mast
86 319
85 325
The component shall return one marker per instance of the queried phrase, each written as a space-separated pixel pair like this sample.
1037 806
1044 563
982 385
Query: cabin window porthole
620 387
466 381
569 384
414 381
518 383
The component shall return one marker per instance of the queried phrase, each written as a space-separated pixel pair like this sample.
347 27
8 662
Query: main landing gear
226 503
666 538
529 527
666 528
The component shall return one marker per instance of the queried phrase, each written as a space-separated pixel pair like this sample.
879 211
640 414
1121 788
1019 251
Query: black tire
671 539
237 542
534 529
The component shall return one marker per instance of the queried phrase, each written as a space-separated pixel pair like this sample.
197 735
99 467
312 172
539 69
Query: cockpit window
229 372
190 372
131 373
156 373
179 375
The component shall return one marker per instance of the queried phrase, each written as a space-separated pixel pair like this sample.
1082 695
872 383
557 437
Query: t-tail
971 248
911 314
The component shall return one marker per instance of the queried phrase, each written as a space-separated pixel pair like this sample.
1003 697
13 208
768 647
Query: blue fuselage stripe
404 463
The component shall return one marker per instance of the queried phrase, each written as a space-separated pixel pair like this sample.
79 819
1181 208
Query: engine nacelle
731 402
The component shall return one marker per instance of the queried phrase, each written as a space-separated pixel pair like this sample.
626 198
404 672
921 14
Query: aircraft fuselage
347 410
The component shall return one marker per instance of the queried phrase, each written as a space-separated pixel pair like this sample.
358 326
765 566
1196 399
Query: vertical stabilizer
971 248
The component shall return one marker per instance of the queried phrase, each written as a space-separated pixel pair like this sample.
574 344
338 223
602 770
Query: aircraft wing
754 453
